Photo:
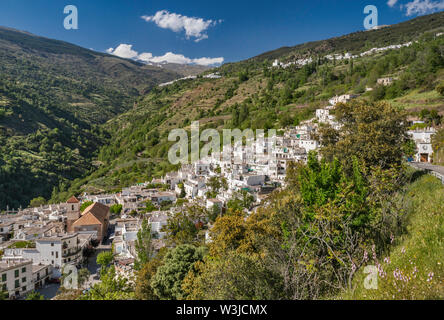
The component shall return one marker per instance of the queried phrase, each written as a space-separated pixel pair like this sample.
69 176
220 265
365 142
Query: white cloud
123 51
423 7
171 58
193 27
126 51
208 61
391 3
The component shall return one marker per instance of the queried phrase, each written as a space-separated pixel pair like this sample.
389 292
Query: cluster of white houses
37 243
60 233
338 56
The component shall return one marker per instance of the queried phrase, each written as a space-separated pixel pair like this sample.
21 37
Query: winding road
437 171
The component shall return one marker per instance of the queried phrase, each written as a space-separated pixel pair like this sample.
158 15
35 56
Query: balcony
72 253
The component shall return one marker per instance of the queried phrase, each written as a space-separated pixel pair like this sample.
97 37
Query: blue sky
192 30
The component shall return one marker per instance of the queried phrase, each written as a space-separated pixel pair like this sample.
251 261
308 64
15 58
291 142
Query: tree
378 93
228 234
241 200
35 296
431 117
116 209
149 206
184 226
167 283
375 133
144 290
234 277
438 146
37 202
83 277
144 246
183 194
214 212
321 226
215 184
104 259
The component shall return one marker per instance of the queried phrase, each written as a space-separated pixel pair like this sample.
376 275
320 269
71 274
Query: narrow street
49 291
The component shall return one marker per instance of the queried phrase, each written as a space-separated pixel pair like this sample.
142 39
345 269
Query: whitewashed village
37 244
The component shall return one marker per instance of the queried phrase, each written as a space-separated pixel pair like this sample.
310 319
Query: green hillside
413 268
53 98
361 41
252 94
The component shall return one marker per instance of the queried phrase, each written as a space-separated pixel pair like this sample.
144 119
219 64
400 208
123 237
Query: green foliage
110 287
167 283
144 290
85 205
22 245
240 201
143 245
215 184
116 209
375 133
438 147
431 117
34 296
412 269
184 226
105 258
37 202
183 194
150 207
83 276
235 277
268 98
53 98
440 88
4 295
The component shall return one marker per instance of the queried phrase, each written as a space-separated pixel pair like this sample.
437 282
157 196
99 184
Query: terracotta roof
73 199
87 220
94 214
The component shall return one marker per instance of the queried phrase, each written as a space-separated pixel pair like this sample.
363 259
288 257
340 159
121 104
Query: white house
211 203
55 251
163 197
308 145
385 81
16 277
423 141
157 221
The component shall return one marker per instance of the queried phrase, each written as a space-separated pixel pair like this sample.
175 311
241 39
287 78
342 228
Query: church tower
73 212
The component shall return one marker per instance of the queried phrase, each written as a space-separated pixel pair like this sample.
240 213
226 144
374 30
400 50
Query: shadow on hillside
416 175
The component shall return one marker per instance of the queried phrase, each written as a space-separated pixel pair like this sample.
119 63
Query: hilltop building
94 220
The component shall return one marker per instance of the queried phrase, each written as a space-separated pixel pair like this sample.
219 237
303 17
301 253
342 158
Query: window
16 273
24 279
23 288
24 269
4 287
4 278
57 254
52 244
17 284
